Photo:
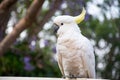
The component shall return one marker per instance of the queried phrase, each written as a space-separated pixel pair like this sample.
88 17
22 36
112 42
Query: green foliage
13 63
105 30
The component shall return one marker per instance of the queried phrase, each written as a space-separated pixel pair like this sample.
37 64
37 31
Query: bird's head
66 20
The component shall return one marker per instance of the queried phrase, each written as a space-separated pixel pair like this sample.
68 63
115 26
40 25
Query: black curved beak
56 27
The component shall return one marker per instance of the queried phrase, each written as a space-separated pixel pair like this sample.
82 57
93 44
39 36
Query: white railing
41 78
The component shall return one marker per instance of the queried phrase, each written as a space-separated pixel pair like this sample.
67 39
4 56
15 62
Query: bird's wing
88 57
59 59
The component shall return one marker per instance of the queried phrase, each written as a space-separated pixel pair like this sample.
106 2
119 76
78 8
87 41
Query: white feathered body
75 53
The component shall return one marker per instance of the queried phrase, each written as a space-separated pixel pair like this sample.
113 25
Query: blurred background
32 52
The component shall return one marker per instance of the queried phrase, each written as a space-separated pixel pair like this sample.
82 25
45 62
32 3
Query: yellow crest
80 17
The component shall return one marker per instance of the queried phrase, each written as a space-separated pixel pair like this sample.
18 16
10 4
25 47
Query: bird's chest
67 47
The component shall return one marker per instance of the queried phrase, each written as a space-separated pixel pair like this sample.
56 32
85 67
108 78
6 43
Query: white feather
75 52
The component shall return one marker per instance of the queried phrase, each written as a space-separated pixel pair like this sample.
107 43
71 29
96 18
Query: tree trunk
22 25
5 9
53 8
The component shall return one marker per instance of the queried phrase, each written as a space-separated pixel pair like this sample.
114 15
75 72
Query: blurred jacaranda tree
27 40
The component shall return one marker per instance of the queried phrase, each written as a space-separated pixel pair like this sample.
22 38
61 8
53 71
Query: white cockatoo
75 54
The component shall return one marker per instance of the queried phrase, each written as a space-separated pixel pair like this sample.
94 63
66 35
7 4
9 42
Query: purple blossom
27 64
46 42
16 42
54 49
87 16
29 67
32 47
26 59
34 38
80 2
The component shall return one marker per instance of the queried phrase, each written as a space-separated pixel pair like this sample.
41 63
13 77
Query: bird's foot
71 76
63 77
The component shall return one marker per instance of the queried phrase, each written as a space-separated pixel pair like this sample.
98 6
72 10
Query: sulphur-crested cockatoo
75 54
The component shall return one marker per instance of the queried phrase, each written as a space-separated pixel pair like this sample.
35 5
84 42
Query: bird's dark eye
61 23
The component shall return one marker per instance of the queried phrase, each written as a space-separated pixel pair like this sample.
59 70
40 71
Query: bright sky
97 12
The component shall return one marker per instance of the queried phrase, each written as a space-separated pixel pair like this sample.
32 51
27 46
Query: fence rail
41 78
